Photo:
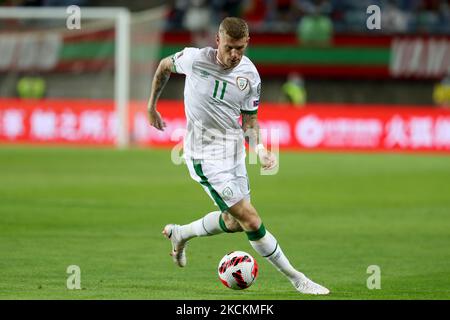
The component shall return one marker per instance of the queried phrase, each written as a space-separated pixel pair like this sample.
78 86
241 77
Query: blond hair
236 28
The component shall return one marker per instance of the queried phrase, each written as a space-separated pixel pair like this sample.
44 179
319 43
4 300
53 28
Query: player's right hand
155 119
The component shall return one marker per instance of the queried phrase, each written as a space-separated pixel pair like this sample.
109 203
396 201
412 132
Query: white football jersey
214 99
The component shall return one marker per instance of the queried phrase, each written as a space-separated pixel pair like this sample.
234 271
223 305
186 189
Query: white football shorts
226 182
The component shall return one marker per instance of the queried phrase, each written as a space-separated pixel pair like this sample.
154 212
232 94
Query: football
238 270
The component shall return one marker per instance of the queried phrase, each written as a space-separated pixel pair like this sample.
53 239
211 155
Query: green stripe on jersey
249 111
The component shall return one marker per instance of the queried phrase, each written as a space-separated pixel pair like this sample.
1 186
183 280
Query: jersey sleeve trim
174 67
249 111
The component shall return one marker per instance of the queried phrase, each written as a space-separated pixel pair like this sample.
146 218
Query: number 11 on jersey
216 87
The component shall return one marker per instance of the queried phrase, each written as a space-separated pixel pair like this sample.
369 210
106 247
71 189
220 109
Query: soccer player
221 85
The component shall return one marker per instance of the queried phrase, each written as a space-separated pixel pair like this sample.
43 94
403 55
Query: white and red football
238 270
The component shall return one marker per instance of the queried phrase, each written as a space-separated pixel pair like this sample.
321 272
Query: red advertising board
57 121
315 127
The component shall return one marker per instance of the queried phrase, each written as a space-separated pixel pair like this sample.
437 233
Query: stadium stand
286 27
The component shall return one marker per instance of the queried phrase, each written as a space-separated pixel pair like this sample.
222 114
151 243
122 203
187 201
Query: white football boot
171 232
307 286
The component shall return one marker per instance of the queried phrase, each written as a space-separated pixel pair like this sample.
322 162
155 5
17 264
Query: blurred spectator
285 10
193 16
394 20
432 16
31 87
281 15
198 20
197 17
176 12
338 14
294 90
441 92
398 16
255 13
226 8
315 30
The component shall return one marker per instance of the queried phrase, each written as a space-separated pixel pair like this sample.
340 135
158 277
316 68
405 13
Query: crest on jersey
242 83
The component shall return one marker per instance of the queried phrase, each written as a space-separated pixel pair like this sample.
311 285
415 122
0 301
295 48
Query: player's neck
220 61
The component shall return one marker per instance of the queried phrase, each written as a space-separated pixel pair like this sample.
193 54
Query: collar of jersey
221 64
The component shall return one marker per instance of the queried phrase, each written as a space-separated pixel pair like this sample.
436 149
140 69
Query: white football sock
207 226
268 247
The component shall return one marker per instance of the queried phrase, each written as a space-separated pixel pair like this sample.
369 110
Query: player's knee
247 216
253 224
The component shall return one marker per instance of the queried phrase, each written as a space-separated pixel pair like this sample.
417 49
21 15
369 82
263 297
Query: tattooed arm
160 79
250 126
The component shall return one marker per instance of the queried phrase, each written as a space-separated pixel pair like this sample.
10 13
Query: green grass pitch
333 214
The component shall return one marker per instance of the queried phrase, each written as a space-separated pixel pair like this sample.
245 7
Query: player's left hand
268 159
